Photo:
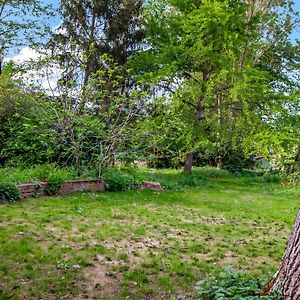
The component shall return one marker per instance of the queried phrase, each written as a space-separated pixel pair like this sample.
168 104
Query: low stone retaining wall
73 186
68 187
29 190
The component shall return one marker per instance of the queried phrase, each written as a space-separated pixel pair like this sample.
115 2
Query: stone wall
28 190
68 187
73 186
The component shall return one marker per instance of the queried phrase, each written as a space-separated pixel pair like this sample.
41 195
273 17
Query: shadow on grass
175 180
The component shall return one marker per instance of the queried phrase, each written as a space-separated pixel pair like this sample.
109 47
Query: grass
143 244
42 173
33 174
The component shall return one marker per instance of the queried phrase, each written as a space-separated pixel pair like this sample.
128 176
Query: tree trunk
219 140
287 278
1 63
188 163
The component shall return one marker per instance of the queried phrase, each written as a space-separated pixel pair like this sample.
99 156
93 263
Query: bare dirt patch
99 281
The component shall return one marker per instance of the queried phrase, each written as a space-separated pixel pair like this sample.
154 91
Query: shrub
9 192
291 180
55 178
117 179
233 285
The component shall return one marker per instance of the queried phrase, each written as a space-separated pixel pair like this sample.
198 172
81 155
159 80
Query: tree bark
188 163
287 278
219 140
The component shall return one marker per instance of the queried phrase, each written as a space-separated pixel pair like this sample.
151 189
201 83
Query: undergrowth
122 178
229 284
8 192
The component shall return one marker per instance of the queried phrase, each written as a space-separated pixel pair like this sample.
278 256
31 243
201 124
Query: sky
296 33
26 53
56 21
55 3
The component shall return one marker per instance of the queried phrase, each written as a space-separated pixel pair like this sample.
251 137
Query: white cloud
45 77
59 29
24 55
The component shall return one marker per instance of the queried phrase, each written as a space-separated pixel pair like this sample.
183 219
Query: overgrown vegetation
229 284
128 178
160 83
122 179
8 192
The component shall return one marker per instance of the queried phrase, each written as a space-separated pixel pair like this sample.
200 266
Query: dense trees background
171 82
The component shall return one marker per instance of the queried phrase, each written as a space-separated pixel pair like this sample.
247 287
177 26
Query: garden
149 149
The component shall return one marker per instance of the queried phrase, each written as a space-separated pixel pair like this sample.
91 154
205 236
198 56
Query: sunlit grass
142 243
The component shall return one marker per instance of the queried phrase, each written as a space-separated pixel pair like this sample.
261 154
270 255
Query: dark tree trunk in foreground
188 163
287 278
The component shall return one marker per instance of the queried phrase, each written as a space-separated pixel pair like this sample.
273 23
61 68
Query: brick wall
71 186
32 189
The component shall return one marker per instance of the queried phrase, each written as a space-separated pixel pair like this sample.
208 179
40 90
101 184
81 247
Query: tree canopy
163 81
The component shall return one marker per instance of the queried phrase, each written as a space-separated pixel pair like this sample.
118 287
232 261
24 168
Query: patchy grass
143 244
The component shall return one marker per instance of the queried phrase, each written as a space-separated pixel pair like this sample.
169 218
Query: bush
233 285
117 179
291 180
9 192
55 178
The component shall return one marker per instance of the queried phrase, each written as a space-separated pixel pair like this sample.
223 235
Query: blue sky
54 22
294 36
54 3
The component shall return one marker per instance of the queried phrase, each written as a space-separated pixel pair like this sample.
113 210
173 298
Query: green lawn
142 244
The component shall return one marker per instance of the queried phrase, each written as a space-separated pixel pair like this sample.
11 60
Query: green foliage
9 192
119 179
3 296
25 137
233 161
55 180
291 180
232 90
120 36
21 23
34 174
175 180
47 172
233 285
214 80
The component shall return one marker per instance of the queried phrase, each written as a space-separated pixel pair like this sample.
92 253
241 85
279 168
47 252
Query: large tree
227 61
287 278
94 100
96 28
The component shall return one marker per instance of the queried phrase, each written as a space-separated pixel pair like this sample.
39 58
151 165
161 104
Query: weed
233 285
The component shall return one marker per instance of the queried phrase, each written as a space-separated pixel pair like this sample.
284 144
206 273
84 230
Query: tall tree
91 49
230 59
97 28
288 276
